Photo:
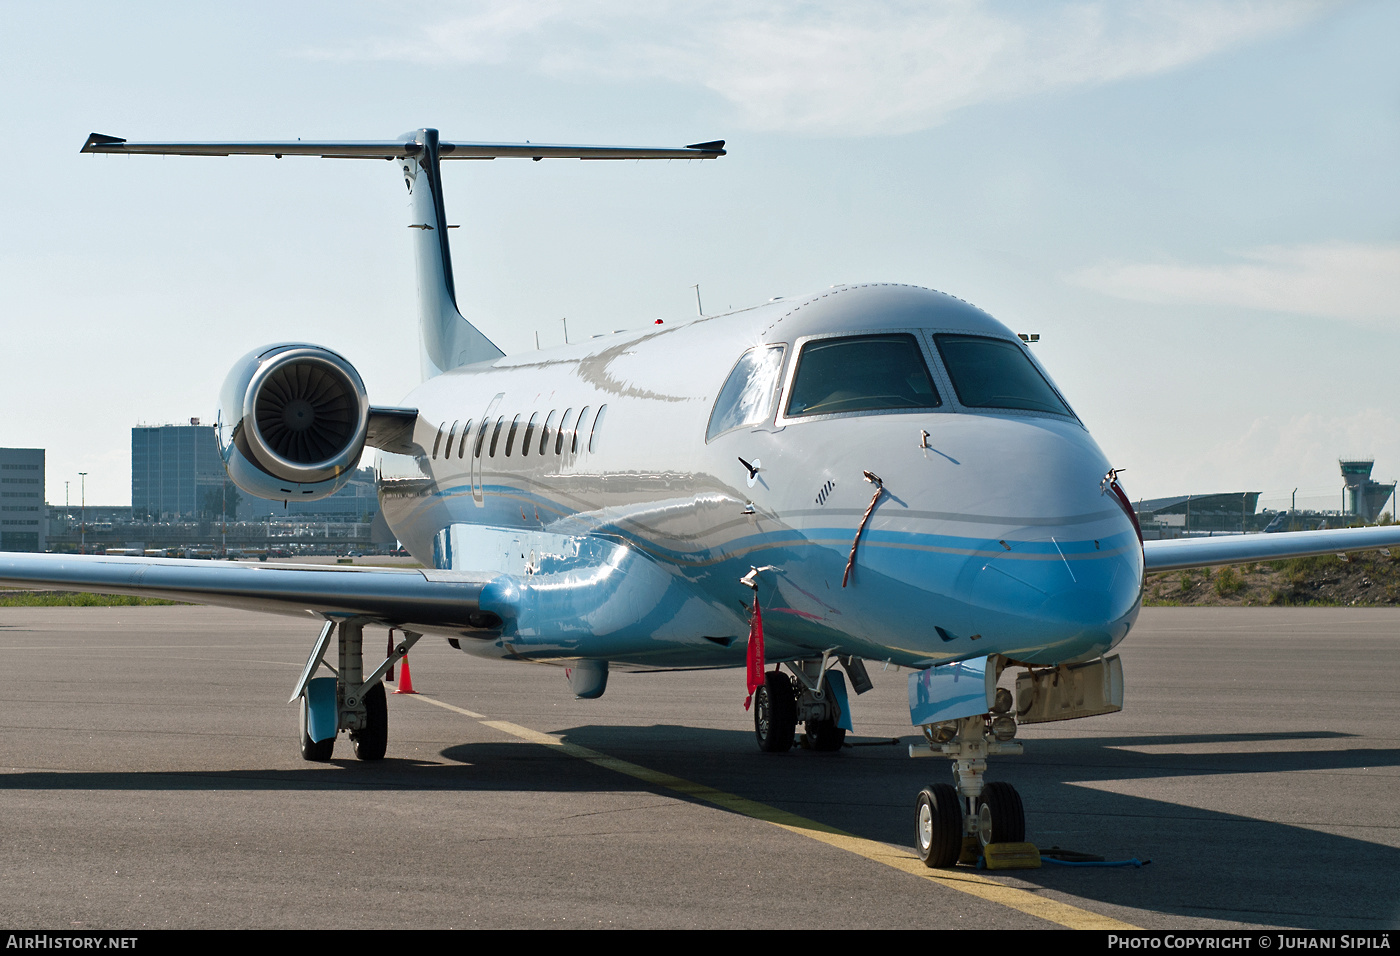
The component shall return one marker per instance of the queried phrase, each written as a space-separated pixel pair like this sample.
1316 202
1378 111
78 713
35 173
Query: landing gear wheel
824 735
1000 816
317 750
938 826
775 713
371 742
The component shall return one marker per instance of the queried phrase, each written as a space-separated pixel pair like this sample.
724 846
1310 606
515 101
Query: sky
1195 203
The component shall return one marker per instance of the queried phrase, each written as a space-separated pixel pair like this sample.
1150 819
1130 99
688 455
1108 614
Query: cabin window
447 448
545 431
564 426
466 431
863 373
496 435
593 432
438 441
747 395
995 373
510 436
582 417
529 433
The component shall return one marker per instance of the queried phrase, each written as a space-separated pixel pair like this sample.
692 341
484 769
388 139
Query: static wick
879 490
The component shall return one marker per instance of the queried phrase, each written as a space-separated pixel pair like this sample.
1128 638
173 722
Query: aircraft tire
824 735
315 750
1001 818
373 741
775 713
938 826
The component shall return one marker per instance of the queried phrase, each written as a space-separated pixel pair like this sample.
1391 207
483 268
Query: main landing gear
814 697
954 822
349 701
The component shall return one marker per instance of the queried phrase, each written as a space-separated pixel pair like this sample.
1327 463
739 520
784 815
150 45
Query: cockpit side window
862 373
996 373
748 393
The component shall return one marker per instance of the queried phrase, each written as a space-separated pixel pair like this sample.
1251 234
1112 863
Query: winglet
714 146
99 139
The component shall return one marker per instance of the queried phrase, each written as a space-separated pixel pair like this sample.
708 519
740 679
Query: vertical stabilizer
447 340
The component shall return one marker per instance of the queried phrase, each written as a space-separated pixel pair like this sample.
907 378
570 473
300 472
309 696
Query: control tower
1361 496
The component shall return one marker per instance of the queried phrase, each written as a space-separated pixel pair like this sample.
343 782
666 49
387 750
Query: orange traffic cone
406 684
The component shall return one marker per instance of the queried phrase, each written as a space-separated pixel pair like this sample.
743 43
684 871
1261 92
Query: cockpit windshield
748 393
861 373
995 373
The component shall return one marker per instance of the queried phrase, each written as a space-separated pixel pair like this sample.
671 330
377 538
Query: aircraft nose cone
1063 600
1083 618
1096 610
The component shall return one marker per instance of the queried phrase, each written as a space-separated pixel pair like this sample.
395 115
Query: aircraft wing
418 600
1177 553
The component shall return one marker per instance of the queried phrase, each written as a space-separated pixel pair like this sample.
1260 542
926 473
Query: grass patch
75 599
1228 582
1365 579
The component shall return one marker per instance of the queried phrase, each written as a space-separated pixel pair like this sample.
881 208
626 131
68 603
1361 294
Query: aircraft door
477 450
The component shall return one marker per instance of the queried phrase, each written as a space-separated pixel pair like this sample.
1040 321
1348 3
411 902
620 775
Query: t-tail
448 340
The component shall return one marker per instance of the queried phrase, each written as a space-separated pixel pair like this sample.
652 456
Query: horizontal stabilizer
400 149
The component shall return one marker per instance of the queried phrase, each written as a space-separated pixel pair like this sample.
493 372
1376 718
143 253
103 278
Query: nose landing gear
953 823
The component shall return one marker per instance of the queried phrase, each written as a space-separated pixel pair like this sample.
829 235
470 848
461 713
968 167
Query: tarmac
150 778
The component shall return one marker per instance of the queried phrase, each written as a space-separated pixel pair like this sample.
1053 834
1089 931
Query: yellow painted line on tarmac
446 706
968 882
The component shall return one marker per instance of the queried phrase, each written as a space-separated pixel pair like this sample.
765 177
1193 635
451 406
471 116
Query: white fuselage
623 538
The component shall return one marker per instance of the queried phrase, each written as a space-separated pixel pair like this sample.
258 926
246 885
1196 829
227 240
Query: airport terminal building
22 518
176 472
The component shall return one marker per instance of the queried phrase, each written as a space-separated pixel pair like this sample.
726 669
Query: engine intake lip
306 415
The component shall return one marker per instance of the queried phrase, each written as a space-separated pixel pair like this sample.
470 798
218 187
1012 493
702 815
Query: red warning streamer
756 662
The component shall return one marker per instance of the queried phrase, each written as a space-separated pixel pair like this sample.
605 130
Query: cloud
1353 282
850 68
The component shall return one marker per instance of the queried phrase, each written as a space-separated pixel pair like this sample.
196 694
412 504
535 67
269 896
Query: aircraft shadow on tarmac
1206 864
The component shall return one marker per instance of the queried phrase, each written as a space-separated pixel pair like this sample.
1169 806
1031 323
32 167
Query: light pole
82 548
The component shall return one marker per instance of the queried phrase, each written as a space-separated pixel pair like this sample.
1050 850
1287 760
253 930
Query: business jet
877 472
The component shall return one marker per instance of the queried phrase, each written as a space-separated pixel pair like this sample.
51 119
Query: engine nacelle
292 422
